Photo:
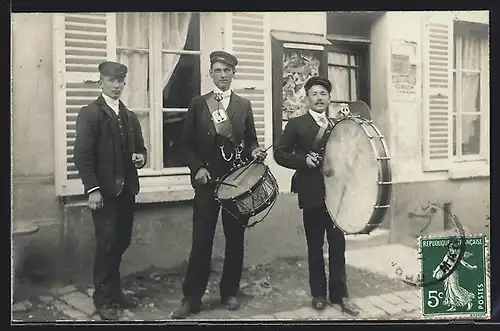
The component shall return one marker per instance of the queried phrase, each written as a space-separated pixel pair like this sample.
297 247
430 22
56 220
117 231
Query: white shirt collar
225 94
317 116
113 103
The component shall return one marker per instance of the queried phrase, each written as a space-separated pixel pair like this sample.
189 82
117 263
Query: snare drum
357 174
247 189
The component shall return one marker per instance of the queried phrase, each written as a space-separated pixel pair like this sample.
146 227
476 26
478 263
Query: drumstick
222 183
251 162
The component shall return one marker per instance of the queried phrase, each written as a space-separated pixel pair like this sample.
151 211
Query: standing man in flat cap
109 148
300 149
219 130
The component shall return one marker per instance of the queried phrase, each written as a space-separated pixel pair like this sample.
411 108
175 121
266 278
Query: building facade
425 76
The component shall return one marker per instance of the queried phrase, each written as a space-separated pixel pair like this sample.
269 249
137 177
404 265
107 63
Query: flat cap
223 57
317 80
113 69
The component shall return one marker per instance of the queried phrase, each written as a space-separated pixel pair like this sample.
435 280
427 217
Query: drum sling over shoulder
223 126
319 142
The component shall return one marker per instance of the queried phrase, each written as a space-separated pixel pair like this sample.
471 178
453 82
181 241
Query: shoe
185 310
319 303
347 306
125 302
107 312
231 303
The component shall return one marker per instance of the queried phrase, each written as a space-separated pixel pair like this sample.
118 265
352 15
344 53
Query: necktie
323 121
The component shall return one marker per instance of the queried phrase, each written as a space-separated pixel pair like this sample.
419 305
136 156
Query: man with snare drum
295 151
219 130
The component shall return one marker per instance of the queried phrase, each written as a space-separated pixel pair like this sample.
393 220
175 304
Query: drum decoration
357 173
247 190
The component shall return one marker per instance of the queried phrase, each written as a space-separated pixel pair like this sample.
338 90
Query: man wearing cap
109 148
299 149
219 131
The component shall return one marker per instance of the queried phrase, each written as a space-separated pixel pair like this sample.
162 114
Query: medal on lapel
219 115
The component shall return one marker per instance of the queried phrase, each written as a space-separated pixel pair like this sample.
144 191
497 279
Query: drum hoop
251 189
378 214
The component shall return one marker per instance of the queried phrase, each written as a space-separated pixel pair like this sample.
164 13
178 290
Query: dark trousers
205 215
317 221
113 232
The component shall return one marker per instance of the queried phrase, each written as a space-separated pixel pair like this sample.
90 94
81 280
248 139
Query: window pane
146 133
340 83
455 94
354 85
173 156
470 134
182 79
133 32
353 61
454 135
181 31
471 98
338 58
470 52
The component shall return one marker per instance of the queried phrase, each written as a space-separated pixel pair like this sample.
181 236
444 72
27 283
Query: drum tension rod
383 158
384 183
381 207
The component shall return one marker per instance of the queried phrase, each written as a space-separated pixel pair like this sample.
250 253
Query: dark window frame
362 51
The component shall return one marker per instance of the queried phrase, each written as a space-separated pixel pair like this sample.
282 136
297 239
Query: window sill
469 170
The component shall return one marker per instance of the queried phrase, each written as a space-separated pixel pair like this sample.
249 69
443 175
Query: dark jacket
296 141
198 136
99 156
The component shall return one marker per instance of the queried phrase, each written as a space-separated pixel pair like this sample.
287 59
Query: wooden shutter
246 41
81 42
437 93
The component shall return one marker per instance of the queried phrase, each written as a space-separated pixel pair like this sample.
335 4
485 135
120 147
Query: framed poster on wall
293 65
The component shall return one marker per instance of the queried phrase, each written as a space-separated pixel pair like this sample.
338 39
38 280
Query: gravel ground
278 286
29 291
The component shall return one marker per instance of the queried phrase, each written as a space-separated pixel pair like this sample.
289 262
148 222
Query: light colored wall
33 118
405 118
32 95
306 22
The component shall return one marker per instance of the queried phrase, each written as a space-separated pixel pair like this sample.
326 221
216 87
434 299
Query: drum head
351 176
244 182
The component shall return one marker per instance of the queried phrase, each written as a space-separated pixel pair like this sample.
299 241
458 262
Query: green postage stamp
454 287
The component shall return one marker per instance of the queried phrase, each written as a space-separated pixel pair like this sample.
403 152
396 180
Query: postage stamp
461 266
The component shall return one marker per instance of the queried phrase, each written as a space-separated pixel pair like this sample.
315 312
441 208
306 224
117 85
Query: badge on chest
219 116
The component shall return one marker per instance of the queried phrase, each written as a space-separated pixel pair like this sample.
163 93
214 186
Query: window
160 97
470 49
343 73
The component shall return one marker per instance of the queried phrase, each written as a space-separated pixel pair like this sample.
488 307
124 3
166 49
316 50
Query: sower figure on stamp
219 130
109 148
296 151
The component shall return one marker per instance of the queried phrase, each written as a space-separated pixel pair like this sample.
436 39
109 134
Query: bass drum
357 173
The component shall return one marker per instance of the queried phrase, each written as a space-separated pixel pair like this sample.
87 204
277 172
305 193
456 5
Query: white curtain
132 31
174 33
341 77
471 53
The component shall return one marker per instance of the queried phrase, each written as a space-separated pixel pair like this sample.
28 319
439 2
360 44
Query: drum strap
318 145
224 128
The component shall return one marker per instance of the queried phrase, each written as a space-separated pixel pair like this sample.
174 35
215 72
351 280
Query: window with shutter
81 42
246 42
437 65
